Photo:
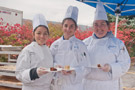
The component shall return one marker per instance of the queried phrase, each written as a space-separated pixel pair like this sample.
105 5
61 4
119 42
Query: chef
35 58
68 50
108 55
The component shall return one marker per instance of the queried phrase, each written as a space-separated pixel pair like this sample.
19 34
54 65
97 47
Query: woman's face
68 28
41 35
100 28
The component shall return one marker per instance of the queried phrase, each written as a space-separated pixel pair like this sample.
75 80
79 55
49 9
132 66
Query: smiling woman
70 52
41 35
108 53
100 28
35 58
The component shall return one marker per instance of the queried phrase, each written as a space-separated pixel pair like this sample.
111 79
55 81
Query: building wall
11 16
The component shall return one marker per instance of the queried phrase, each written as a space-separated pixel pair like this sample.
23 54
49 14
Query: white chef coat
106 50
71 52
33 56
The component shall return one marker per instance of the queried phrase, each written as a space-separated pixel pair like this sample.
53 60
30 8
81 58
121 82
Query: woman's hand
41 71
106 68
66 72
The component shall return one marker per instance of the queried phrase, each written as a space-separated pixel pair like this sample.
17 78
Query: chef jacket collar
70 39
108 35
36 44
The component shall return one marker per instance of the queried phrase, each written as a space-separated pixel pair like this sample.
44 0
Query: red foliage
22 35
127 35
51 40
83 34
15 35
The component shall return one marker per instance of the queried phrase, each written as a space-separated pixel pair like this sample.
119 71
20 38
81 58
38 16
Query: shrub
18 35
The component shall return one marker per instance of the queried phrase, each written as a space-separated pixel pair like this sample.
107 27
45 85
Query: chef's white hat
38 20
72 12
100 13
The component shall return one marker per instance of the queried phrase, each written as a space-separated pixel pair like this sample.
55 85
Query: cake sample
67 67
98 65
53 69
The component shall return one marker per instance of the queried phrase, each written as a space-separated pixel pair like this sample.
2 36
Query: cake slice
67 67
98 65
53 69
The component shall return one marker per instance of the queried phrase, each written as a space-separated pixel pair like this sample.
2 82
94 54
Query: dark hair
40 26
70 19
107 22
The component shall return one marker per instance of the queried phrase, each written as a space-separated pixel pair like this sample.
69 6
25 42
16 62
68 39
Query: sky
53 10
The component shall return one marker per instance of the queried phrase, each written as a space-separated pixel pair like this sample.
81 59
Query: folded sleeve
23 67
122 63
33 74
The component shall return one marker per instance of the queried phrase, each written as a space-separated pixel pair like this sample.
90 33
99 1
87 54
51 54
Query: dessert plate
93 66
